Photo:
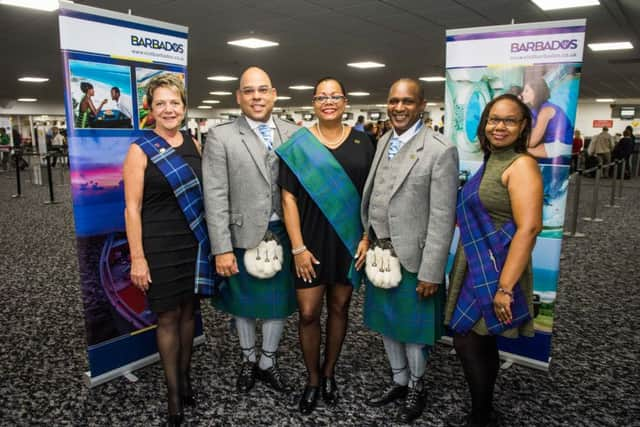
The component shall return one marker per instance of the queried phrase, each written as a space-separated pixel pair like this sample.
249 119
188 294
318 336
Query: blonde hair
170 81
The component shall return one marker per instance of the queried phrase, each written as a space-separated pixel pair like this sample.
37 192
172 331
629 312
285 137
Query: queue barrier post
612 200
17 155
573 220
51 200
624 167
594 201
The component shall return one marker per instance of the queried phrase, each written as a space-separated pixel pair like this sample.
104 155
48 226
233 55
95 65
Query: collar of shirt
409 133
254 125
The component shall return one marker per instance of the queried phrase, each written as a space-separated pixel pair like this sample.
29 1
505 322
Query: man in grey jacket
408 205
243 211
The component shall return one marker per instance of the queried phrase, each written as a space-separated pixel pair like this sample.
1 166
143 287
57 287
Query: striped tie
394 147
267 138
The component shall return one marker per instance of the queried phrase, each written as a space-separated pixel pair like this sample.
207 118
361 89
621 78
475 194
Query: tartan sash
188 191
330 188
486 251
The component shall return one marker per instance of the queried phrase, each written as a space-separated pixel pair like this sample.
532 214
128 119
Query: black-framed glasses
321 99
509 122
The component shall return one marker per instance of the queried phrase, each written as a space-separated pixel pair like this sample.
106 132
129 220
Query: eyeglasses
321 99
508 122
262 90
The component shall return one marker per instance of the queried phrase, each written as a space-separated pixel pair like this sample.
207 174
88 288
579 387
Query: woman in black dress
322 261
163 247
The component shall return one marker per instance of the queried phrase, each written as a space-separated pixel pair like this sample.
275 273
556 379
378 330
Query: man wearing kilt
408 208
243 208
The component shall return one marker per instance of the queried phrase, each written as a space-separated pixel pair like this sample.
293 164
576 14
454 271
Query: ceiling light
433 79
46 5
205 107
253 43
605 100
301 87
211 101
381 105
220 93
33 79
564 4
307 108
222 78
358 94
366 64
283 97
431 104
27 99
597 47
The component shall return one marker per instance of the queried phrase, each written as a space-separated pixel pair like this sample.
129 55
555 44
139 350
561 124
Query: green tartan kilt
400 314
246 296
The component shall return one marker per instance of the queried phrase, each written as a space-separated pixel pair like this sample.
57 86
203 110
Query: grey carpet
593 380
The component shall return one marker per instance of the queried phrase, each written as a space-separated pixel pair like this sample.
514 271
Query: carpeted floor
593 379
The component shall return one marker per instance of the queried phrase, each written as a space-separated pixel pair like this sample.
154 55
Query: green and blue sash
329 186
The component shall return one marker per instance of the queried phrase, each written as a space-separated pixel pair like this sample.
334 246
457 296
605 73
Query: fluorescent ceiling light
605 100
597 47
301 87
46 5
564 4
253 43
222 78
33 79
27 99
366 64
307 108
220 93
358 94
432 104
433 79
283 97
205 107
381 105
211 101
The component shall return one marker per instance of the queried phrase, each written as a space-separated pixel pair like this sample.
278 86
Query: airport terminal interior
54 307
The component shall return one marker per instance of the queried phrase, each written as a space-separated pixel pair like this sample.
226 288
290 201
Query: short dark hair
327 78
85 86
416 82
116 88
523 140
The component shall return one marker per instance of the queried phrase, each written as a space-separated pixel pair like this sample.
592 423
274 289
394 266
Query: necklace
331 144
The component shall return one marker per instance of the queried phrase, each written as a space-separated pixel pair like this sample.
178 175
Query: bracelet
505 291
298 251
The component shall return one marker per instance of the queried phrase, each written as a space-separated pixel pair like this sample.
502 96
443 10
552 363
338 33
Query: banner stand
127 370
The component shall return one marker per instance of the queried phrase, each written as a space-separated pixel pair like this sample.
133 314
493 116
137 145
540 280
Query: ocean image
102 77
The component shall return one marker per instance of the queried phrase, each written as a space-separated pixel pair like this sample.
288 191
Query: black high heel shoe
174 420
309 399
329 390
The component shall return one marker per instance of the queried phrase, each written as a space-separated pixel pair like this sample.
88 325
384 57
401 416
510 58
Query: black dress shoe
272 377
466 420
309 399
413 406
329 390
174 420
246 377
394 392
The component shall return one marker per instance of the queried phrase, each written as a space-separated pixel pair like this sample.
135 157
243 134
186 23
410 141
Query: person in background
120 103
601 146
57 144
499 214
359 126
576 150
167 235
322 177
244 213
408 208
371 131
623 151
5 148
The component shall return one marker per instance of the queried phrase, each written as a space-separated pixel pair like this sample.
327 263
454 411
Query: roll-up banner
108 60
541 63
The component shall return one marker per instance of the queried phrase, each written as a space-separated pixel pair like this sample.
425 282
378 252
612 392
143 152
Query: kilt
400 314
246 296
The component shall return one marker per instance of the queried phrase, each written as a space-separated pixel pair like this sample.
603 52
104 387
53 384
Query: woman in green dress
509 193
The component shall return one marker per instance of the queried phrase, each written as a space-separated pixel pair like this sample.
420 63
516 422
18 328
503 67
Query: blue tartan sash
188 191
330 188
486 251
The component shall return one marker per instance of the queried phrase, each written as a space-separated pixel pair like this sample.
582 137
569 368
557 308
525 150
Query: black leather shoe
246 377
273 379
329 390
413 406
309 399
392 393
174 420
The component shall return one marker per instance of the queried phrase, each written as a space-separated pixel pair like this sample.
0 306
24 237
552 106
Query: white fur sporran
382 266
265 260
